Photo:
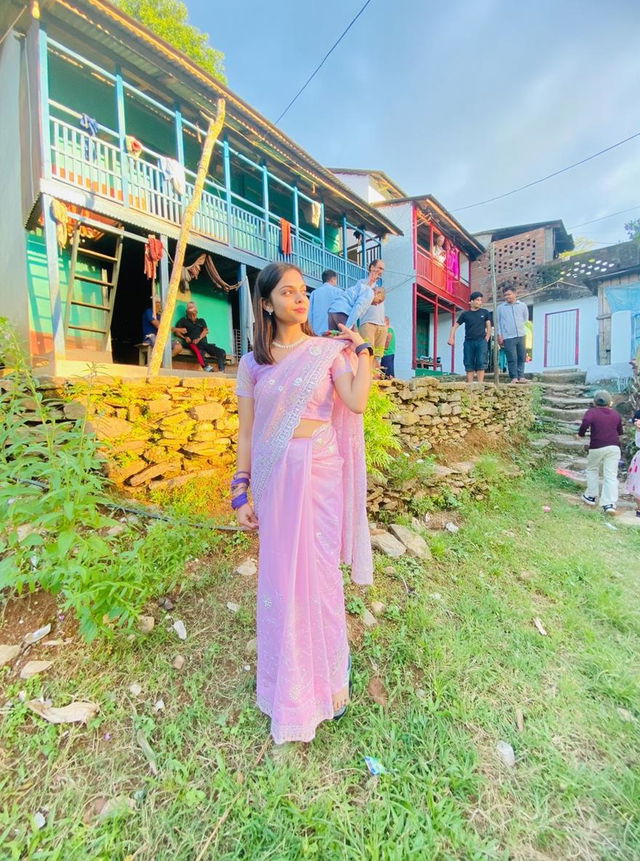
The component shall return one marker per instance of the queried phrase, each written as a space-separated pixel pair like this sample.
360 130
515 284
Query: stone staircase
564 399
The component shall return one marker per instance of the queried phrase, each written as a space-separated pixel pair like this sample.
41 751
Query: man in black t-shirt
193 331
477 331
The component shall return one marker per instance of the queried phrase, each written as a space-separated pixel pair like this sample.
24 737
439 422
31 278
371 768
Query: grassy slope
458 658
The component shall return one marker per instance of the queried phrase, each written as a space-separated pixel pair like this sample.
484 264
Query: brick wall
515 258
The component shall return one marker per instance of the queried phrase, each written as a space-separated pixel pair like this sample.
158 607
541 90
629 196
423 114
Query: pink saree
310 498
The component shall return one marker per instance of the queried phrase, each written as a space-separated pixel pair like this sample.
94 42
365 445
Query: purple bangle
238 481
239 501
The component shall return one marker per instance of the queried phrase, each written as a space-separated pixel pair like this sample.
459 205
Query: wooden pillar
265 201
453 349
167 357
322 239
435 334
243 298
226 163
179 137
53 274
296 223
122 134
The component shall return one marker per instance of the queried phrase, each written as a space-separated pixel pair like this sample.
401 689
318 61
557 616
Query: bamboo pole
164 329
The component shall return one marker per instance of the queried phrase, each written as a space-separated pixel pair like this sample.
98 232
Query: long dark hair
265 326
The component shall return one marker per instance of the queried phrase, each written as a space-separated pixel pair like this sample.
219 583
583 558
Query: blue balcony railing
101 168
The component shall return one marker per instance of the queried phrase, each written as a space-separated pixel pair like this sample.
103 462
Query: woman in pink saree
301 449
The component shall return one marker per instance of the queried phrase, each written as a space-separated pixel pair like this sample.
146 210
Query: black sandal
339 715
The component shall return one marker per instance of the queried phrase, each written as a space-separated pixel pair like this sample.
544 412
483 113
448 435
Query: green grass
458 654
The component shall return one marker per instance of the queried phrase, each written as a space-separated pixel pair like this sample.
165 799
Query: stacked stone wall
163 433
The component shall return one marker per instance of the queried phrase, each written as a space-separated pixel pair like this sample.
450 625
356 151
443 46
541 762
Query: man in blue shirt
150 324
512 316
320 301
351 304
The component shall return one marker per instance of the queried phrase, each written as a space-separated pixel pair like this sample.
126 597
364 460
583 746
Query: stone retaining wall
431 414
160 434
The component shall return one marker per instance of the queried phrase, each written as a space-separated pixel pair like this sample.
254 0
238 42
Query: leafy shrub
380 437
54 497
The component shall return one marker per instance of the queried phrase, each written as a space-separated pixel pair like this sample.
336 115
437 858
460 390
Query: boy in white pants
605 426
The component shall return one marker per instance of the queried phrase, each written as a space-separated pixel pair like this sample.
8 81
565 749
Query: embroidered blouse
319 407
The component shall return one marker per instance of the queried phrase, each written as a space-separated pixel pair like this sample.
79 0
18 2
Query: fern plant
380 437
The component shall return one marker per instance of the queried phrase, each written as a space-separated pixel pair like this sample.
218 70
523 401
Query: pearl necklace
289 346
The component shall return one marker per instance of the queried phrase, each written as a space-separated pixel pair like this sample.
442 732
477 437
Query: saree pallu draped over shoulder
310 499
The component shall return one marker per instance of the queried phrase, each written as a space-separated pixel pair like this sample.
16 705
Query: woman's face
288 299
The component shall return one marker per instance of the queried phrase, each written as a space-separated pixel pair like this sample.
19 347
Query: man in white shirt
373 327
320 302
512 316
352 303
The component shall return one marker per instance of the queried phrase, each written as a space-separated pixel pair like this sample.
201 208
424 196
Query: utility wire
602 217
322 62
548 176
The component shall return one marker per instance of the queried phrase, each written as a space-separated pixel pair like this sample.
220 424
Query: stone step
565 461
568 391
568 416
562 377
564 442
566 403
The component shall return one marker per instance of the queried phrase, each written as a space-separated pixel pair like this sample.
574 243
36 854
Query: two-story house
102 128
427 276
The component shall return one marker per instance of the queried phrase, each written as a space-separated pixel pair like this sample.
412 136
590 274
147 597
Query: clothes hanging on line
286 245
90 125
60 215
192 272
153 251
174 173
133 146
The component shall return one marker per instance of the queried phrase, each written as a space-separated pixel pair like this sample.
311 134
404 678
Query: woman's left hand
351 335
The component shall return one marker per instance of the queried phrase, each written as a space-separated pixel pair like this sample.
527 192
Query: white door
561 339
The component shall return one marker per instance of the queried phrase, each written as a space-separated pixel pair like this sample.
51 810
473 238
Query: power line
603 217
322 62
548 176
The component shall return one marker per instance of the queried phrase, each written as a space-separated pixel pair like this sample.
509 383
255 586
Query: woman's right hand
246 517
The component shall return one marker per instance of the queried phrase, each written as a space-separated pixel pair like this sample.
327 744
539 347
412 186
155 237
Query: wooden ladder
108 284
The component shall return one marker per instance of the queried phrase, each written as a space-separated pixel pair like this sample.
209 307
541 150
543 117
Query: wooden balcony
437 279
102 168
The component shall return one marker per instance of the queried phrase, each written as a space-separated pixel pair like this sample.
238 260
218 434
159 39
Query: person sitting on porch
351 304
194 331
150 324
321 300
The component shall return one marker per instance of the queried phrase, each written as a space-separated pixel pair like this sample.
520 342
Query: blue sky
463 99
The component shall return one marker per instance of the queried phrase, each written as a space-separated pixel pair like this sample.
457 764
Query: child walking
633 475
605 426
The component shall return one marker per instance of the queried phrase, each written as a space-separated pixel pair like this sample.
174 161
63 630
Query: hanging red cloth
152 256
286 245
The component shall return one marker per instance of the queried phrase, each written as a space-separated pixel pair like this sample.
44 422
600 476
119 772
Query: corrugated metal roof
136 46
563 240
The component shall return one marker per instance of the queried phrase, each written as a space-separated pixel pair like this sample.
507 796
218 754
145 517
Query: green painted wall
215 307
82 91
38 284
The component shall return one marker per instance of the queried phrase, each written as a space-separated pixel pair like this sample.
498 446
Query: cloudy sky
463 99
